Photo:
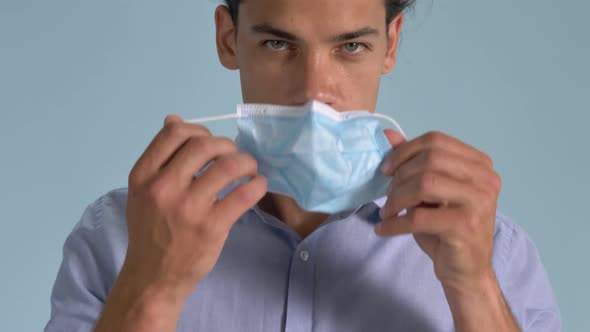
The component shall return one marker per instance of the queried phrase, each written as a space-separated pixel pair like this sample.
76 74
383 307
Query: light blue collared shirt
341 278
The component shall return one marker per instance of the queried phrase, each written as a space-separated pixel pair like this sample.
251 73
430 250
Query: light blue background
85 85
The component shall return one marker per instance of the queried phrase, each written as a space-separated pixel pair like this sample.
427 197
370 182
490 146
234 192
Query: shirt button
304 255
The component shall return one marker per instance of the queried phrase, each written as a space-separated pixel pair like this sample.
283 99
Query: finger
194 155
445 162
432 221
171 118
174 134
431 188
227 210
437 140
394 137
224 171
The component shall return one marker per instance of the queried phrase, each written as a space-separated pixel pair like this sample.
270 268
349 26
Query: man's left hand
449 191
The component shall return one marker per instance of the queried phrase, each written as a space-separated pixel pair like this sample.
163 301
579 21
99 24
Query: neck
288 211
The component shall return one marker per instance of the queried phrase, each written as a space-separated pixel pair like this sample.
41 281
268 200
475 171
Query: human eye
276 45
355 48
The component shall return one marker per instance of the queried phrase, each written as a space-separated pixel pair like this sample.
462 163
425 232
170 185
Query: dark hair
393 8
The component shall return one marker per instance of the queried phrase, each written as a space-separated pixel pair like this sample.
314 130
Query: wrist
479 305
471 288
139 304
141 285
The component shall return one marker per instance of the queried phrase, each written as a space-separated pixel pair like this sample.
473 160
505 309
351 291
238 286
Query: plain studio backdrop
84 86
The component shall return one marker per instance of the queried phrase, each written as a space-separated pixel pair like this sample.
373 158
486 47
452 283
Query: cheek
362 79
367 72
266 82
256 73
368 66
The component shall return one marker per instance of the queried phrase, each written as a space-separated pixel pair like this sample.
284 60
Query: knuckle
229 143
157 192
434 137
496 181
245 194
195 128
487 160
257 191
173 130
432 156
134 179
205 130
200 145
427 181
170 118
210 145
228 165
250 162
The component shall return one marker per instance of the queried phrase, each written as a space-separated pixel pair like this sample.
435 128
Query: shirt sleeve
525 282
87 271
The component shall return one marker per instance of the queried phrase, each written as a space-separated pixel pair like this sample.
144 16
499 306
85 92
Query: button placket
304 255
301 289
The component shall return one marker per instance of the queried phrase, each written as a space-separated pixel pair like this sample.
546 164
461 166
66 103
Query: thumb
394 137
171 118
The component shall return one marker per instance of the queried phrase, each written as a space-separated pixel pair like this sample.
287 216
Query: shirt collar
379 202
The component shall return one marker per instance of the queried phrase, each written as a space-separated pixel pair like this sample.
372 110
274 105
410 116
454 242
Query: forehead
320 17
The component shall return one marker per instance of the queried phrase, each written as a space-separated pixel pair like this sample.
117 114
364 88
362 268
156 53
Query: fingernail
381 213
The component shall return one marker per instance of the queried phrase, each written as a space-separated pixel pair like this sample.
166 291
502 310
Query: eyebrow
363 32
269 29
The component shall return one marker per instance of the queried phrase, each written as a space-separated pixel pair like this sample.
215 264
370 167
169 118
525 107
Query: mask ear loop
212 118
235 116
397 126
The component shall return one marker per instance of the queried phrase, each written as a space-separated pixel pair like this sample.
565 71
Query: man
166 255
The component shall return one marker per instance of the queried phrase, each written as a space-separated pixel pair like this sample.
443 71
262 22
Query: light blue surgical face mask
327 161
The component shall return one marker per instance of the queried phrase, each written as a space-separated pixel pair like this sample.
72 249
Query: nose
316 80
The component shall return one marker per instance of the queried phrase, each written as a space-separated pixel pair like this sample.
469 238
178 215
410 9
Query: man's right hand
177 227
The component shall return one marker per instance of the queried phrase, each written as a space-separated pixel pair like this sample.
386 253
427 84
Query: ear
395 28
225 37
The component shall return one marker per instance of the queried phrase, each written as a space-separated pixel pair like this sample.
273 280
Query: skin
289 52
317 60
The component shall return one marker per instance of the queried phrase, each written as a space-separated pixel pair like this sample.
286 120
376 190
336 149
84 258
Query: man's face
291 51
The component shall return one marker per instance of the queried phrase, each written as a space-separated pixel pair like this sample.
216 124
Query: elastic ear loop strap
235 116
